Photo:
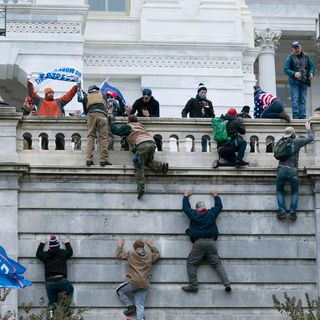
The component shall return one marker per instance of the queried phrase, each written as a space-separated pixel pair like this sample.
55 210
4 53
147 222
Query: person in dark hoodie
200 106
147 105
203 233
245 113
233 150
55 268
138 276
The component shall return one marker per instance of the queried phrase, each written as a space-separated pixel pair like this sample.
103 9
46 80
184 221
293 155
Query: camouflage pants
143 157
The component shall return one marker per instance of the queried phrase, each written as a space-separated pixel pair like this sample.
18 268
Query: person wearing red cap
29 108
55 268
138 276
233 150
48 106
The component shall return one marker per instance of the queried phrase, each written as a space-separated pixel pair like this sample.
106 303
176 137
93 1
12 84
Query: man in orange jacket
48 106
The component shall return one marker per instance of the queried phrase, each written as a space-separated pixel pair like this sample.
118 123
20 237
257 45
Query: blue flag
11 272
105 87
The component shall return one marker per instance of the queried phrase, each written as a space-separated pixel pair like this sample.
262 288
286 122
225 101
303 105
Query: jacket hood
229 117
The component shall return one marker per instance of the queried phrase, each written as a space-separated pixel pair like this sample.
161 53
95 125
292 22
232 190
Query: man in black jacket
233 150
203 233
55 268
147 105
200 106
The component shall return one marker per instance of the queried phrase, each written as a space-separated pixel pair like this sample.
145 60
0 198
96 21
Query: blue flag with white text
11 272
105 87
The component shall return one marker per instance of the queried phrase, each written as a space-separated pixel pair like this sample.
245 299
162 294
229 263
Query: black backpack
283 149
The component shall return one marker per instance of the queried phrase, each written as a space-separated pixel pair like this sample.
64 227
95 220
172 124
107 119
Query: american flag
258 106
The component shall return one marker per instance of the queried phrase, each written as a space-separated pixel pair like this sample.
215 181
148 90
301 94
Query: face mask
202 94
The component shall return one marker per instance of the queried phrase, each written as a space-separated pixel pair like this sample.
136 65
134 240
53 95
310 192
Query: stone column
268 41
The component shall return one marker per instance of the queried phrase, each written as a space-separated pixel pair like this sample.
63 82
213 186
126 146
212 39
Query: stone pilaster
268 41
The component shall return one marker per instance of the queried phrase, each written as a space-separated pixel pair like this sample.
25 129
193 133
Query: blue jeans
229 149
298 100
54 288
126 290
273 111
285 174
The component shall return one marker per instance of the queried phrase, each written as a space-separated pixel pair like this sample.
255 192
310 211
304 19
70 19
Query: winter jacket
53 107
301 63
298 143
202 224
196 108
152 106
234 127
139 267
55 260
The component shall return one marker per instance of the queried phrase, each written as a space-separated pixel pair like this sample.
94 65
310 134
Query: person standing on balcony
268 106
138 276
55 268
200 106
232 151
143 146
203 233
146 106
97 112
49 106
288 171
300 69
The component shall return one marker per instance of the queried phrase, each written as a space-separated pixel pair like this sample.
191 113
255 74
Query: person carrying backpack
232 150
288 168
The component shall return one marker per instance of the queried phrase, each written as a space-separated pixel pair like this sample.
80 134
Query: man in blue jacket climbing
203 233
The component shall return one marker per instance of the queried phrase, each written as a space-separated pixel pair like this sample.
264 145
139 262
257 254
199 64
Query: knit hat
201 87
53 242
147 92
138 244
47 90
295 44
288 132
232 112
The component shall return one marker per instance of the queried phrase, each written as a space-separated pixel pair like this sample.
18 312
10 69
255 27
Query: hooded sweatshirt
139 266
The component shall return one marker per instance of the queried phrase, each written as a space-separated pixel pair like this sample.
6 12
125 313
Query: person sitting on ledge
146 106
143 147
233 150
268 106
49 106
245 113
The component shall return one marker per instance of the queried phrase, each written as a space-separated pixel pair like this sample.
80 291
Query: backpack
219 127
283 149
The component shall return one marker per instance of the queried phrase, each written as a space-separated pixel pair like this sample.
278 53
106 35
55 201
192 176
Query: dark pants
205 248
285 174
273 111
54 288
229 149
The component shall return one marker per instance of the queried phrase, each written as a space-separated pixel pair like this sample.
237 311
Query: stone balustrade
16 1
175 138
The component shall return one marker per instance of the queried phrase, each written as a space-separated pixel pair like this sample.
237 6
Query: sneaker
293 216
281 215
89 163
190 288
285 116
105 163
165 168
130 310
228 289
215 164
240 163
141 192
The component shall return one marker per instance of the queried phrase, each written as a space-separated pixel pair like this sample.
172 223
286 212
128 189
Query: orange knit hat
47 90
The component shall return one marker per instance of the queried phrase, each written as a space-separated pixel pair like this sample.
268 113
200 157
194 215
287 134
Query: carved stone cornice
267 39
43 27
161 62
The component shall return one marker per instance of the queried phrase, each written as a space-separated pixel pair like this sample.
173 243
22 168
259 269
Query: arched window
254 144
27 141
190 145
158 139
60 143
269 144
174 143
205 144
43 141
76 141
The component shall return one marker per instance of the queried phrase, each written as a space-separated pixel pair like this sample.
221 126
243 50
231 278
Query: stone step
233 248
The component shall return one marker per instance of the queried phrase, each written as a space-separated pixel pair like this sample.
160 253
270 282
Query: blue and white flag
62 74
11 272
105 87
